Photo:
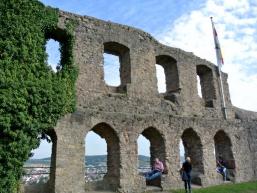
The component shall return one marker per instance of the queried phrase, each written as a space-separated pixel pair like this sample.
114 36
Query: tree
32 96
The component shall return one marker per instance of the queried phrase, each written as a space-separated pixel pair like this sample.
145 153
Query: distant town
36 171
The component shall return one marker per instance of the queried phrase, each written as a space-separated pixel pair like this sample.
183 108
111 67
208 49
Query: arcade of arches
118 152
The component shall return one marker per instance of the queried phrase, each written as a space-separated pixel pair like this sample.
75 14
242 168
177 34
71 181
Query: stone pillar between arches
69 177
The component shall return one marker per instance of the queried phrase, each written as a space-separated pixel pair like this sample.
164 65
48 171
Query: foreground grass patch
248 187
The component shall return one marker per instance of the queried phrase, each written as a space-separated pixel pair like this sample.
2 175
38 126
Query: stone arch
157 144
207 84
123 53
194 149
111 179
171 72
223 148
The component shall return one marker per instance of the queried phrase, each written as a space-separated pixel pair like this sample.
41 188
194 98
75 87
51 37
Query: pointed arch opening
157 150
193 148
110 180
95 158
143 149
223 150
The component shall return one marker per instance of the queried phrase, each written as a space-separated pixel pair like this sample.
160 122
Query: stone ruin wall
120 114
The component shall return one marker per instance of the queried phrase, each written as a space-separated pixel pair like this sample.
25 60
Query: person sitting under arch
156 171
221 168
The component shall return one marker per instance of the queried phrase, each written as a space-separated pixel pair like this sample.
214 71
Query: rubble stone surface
120 114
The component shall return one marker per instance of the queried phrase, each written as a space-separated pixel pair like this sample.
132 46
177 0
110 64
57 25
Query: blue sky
149 15
186 24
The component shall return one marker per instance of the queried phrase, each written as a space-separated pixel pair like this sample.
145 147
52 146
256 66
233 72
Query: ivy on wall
32 96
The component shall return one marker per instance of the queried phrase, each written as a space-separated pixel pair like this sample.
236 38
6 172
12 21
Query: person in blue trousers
156 171
221 168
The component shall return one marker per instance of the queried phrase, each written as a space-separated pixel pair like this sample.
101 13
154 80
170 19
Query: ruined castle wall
91 35
252 142
120 114
70 153
249 120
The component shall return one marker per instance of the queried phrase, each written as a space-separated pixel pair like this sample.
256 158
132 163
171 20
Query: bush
32 96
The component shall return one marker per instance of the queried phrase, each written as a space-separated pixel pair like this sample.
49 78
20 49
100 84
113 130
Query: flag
220 60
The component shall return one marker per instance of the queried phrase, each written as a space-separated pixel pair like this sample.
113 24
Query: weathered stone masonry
120 114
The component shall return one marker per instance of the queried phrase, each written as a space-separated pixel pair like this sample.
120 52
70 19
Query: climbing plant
32 96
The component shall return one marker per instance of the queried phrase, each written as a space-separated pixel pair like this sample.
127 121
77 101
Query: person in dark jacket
186 174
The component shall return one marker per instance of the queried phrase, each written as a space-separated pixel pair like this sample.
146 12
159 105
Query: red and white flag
220 60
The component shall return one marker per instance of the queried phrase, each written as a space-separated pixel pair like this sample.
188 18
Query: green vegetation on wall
32 96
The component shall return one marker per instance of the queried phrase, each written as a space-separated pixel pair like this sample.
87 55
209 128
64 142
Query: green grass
248 187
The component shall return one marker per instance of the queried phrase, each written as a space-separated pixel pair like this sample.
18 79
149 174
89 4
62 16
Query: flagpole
219 60
222 93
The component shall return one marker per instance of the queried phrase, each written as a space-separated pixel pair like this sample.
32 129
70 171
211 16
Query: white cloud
236 25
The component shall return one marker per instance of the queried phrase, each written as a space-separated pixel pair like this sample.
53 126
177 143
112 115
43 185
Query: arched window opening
143 154
223 150
199 88
95 158
117 70
39 169
107 167
111 70
157 149
206 84
193 148
58 46
54 55
169 65
161 82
